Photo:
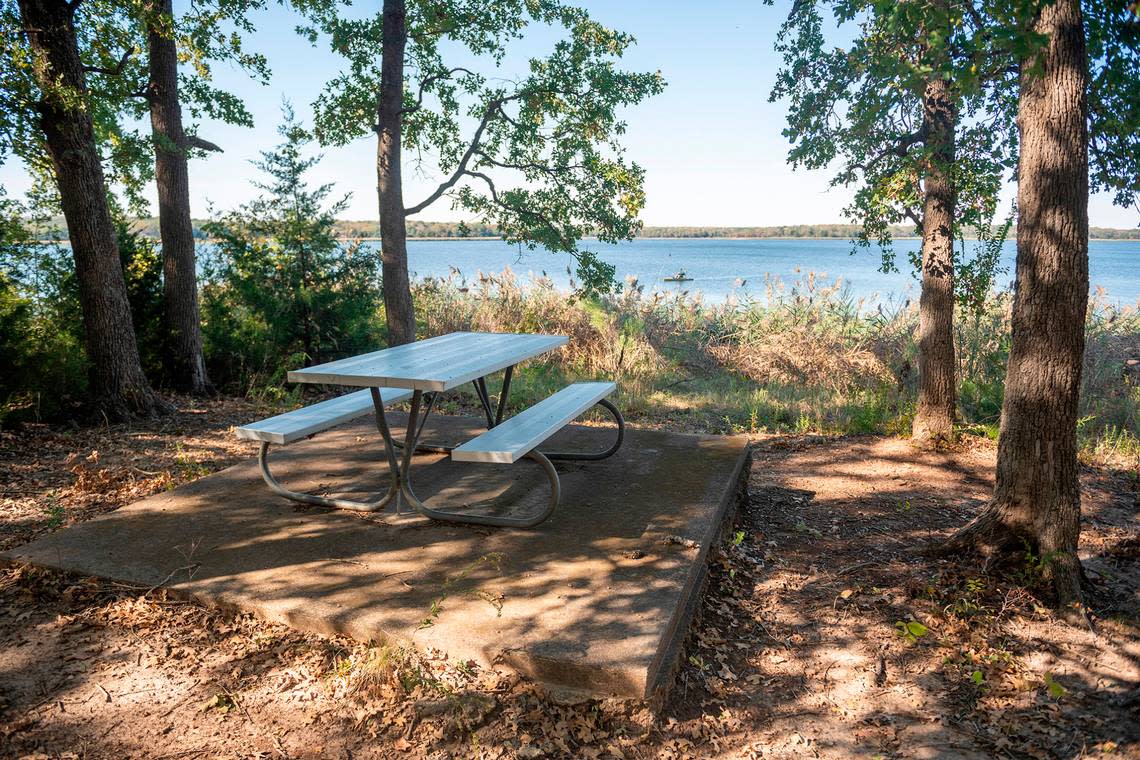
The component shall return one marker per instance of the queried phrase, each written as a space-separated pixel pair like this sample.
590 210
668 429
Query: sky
711 144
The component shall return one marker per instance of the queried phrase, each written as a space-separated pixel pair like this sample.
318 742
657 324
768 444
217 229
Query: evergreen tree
281 290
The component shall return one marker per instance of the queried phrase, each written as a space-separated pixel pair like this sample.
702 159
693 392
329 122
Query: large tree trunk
937 396
186 368
393 230
1037 496
118 386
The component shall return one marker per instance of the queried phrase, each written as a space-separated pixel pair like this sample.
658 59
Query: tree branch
493 107
193 141
503 204
549 170
428 80
900 149
437 32
118 69
512 121
461 168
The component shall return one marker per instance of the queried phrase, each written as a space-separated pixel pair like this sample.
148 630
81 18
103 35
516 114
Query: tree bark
937 392
186 368
1036 499
118 386
398 307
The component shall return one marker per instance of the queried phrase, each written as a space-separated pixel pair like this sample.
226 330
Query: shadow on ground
795 652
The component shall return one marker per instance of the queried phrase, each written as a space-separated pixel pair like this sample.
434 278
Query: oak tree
154 86
538 156
916 115
47 110
1068 131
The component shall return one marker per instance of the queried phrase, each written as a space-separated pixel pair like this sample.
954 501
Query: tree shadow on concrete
795 652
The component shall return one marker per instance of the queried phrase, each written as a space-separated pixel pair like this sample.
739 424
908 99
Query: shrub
279 290
142 269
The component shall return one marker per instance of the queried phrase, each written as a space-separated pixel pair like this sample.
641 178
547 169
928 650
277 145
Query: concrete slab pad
596 598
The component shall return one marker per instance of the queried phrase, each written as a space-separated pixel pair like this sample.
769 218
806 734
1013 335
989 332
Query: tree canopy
859 108
539 156
112 39
1113 31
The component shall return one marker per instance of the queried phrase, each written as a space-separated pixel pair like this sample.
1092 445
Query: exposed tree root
1002 540
144 404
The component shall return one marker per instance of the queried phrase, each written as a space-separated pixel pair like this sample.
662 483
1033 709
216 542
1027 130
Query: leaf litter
821 633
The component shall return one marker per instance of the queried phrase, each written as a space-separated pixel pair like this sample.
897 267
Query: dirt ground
823 633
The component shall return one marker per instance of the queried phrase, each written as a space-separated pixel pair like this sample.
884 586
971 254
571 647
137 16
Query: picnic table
419 372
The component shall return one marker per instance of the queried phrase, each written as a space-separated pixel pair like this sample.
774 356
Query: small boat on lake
679 277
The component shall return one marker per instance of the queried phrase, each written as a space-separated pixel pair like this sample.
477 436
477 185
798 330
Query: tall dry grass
802 356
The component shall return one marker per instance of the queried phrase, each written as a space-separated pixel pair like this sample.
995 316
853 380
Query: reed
801 356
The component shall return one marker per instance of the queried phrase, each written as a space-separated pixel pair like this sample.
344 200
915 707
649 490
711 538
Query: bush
41 322
46 369
40 335
142 268
279 289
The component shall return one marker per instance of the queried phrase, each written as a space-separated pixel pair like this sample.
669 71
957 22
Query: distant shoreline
368 231
721 237
490 239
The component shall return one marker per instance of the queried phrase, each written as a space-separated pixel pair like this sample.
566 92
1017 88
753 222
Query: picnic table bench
418 372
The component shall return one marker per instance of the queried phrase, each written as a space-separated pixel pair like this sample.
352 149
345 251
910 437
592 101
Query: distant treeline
1110 233
353 229
346 228
844 231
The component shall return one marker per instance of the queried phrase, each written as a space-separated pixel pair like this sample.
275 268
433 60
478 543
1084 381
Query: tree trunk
937 392
186 368
389 126
119 387
1037 495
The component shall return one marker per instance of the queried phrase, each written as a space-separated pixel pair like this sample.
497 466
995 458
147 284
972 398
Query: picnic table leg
493 417
411 436
504 393
480 384
575 456
324 501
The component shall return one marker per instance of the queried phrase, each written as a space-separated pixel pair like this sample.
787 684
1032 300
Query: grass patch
805 357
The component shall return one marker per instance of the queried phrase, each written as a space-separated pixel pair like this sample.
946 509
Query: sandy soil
823 633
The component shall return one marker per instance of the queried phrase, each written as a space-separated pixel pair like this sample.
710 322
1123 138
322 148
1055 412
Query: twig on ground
187 698
850 568
187 568
182 753
253 724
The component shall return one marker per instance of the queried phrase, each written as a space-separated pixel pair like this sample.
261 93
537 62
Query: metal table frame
400 465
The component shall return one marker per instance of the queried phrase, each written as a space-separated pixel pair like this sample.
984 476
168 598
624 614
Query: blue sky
711 144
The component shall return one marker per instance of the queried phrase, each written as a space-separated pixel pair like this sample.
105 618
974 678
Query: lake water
718 266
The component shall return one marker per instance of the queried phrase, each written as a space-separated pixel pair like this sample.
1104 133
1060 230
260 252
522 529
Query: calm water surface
718 267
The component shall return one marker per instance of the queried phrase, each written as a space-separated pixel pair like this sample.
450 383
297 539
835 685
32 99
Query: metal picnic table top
428 368
435 364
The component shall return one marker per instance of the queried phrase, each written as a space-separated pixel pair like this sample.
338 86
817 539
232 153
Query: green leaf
1055 689
538 158
916 629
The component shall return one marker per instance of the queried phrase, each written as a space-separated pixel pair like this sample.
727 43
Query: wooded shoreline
369 231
